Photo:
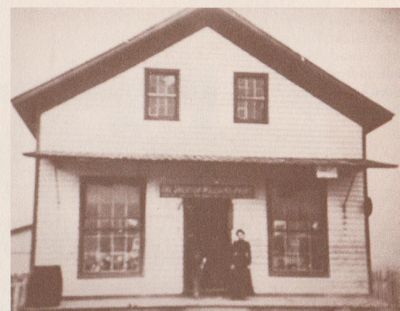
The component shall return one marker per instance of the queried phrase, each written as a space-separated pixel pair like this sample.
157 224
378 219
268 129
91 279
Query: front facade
182 149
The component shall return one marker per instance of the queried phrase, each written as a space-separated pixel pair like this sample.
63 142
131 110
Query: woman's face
241 235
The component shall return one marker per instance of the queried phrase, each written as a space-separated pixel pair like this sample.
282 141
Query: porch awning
355 163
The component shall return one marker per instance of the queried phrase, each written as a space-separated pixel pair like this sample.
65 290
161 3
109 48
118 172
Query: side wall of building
58 230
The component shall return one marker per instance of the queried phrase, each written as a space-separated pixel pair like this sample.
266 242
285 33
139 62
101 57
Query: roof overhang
268 161
230 25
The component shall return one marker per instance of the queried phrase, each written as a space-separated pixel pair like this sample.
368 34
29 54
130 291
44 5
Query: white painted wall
58 234
109 118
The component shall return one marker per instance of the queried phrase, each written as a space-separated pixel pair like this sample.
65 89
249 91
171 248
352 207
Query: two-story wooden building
171 141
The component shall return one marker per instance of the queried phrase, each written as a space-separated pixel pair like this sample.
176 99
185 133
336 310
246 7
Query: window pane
90 243
104 224
105 243
170 84
91 210
259 108
118 224
119 243
251 87
133 244
91 264
134 202
241 83
278 243
133 264
171 107
119 210
153 84
132 223
162 106
118 261
90 224
105 262
260 88
152 108
105 210
161 85
241 110
319 248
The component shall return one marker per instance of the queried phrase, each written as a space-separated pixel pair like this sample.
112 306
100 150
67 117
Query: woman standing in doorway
241 285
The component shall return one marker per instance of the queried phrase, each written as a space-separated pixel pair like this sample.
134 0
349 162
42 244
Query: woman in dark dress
241 285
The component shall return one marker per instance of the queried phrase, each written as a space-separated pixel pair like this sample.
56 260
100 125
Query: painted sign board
207 191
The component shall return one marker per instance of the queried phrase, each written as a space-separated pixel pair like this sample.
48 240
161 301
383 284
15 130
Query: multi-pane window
111 228
162 94
251 97
297 228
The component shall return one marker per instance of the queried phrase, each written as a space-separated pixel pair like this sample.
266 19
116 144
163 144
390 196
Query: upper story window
298 238
112 227
251 97
162 94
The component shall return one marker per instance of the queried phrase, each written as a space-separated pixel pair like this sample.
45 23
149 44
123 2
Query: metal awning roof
80 156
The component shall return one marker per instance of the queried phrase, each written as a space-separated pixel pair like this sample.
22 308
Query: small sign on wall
327 172
207 191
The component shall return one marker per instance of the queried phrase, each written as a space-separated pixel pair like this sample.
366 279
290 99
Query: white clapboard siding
110 117
58 234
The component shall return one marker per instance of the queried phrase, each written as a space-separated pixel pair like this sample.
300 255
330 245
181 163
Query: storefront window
111 228
298 228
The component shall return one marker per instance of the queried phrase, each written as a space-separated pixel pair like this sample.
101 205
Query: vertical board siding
58 233
110 117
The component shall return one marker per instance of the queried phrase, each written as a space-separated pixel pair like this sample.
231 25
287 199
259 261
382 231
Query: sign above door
207 191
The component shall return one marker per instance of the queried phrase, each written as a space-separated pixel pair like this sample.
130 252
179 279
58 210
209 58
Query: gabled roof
230 25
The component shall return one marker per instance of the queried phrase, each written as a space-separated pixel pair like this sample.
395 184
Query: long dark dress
241 284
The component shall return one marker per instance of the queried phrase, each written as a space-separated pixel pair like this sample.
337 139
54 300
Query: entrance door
207 235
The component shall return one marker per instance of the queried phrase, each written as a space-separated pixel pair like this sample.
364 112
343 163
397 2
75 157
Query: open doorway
207 229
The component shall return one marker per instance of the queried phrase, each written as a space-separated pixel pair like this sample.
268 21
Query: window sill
250 122
107 275
160 119
299 274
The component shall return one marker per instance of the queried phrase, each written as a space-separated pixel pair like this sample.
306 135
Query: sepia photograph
205 158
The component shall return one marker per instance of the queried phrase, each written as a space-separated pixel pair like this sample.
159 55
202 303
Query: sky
360 47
